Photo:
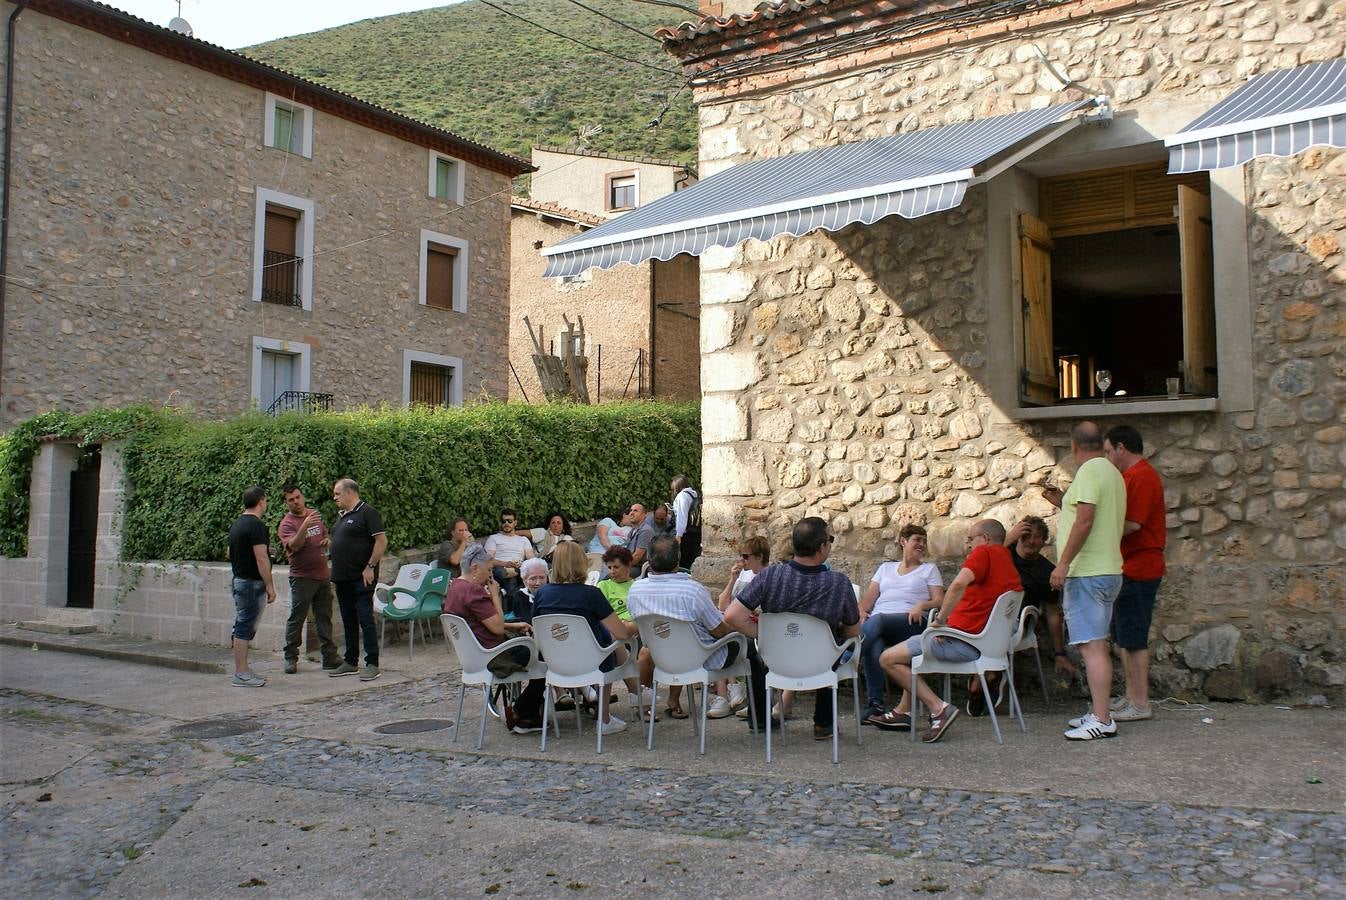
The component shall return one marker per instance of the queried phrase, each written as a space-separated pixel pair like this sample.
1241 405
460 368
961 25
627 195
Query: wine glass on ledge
1103 378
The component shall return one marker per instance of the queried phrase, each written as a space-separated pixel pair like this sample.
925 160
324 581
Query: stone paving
71 832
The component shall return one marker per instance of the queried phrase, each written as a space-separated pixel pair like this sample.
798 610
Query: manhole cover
214 728
414 726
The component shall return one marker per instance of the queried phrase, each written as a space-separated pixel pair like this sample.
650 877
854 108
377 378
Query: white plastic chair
800 654
680 658
573 658
474 659
592 577
1026 638
408 576
994 643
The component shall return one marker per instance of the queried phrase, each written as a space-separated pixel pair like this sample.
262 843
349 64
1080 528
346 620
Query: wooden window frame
431 239
609 178
434 359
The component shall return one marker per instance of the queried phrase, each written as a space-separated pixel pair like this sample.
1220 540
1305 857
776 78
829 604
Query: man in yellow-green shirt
1089 568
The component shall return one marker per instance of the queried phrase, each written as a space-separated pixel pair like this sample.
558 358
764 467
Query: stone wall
677 328
615 304
848 375
134 190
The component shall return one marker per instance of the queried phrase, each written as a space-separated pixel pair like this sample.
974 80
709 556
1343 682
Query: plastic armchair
474 660
574 658
415 597
801 654
994 642
1026 638
680 658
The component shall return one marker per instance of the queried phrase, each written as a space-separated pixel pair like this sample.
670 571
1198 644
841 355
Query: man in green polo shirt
1089 569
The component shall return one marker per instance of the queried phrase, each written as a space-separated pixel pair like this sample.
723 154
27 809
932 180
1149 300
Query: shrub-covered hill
495 79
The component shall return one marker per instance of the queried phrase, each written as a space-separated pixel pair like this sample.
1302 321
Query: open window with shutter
1115 273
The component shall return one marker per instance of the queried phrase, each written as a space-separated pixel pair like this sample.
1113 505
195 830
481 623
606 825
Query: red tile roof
574 215
770 9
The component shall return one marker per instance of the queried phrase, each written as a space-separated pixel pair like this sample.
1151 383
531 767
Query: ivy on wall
419 467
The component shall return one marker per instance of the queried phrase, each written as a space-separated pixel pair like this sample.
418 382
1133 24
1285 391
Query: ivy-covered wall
419 467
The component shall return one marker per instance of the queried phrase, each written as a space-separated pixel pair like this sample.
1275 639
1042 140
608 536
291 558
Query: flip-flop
676 712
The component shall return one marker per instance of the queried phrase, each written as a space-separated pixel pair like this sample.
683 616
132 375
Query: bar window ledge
1116 408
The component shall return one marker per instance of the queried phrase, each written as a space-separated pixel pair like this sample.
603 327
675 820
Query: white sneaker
1129 712
1090 728
738 695
614 725
719 709
590 696
1117 703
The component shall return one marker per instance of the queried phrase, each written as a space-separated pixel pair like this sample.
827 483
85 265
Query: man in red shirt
304 536
1143 538
987 573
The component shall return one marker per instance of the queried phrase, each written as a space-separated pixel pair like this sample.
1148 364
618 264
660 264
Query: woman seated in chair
894 608
518 603
611 532
555 530
569 595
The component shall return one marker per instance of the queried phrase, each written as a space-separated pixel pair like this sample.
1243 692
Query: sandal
675 712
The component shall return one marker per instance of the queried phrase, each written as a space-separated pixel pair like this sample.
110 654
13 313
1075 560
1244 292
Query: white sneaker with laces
738 695
1090 728
1129 712
614 725
1117 703
719 709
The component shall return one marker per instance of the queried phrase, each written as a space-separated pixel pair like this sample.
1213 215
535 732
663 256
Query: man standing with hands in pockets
358 542
305 538
1089 569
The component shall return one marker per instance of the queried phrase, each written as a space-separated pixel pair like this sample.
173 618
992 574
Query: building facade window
278 367
431 379
1116 277
288 126
447 177
443 271
622 191
283 250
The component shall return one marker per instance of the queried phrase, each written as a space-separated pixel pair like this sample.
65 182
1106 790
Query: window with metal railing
281 278
300 401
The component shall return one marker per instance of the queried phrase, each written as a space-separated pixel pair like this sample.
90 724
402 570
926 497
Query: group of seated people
903 598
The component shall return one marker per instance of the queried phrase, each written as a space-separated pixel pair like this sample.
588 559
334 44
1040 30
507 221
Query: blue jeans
249 601
879 633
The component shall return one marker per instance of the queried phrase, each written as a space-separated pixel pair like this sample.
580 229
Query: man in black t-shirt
1025 542
252 586
357 544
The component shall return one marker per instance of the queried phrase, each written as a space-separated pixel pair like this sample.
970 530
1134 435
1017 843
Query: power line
626 59
669 3
604 15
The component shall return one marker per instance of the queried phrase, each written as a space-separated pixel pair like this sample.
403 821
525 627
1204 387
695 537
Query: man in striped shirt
674 595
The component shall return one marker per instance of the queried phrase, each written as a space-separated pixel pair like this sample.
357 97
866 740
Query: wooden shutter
1038 382
282 232
282 131
1113 199
1198 290
430 384
439 266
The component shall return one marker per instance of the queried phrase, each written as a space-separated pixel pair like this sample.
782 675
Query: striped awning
1277 114
905 175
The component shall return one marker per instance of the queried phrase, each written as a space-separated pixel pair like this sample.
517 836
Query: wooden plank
1198 291
1035 257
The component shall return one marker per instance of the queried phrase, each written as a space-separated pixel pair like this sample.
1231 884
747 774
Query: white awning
1277 114
907 175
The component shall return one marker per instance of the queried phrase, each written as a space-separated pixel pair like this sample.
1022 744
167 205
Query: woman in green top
618 583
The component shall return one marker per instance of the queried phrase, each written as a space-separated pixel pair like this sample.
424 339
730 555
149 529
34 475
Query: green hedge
418 467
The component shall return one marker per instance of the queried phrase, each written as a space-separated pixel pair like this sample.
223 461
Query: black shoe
775 725
822 732
976 705
291 667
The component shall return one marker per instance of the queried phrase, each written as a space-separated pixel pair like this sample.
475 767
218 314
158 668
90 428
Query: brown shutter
1038 384
430 384
439 265
1198 290
281 234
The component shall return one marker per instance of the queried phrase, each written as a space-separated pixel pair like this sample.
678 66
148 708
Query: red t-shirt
470 600
1143 550
309 561
994 574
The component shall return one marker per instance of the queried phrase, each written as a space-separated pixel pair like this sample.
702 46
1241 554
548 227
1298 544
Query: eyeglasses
506 521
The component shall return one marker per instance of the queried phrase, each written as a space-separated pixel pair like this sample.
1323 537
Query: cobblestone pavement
70 832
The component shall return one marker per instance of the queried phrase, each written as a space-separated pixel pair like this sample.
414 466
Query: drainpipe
4 191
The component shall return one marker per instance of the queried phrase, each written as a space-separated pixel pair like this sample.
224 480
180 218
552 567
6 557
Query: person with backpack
686 520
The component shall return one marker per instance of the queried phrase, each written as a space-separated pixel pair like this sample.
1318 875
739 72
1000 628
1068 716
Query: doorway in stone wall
83 528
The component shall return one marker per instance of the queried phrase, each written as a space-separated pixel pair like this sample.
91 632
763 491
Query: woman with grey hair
519 602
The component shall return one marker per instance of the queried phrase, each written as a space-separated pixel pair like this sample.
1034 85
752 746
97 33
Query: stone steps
85 640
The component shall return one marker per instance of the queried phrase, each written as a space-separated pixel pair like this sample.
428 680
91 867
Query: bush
418 467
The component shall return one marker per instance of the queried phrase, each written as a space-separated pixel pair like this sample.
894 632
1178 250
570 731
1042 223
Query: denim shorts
1133 612
249 601
1087 602
944 649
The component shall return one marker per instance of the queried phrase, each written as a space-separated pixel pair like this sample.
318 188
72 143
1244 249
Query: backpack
694 511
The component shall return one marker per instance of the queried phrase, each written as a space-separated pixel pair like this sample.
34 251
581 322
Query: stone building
190 226
645 317
926 366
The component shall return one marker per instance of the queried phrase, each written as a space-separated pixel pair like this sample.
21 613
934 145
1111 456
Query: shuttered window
431 385
439 271
1113 199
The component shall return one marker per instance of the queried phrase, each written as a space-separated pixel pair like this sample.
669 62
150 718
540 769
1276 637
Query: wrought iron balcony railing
300 401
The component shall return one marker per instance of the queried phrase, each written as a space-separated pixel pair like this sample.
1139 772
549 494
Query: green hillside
494 79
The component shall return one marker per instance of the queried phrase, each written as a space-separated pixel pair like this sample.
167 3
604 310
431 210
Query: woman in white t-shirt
893 609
